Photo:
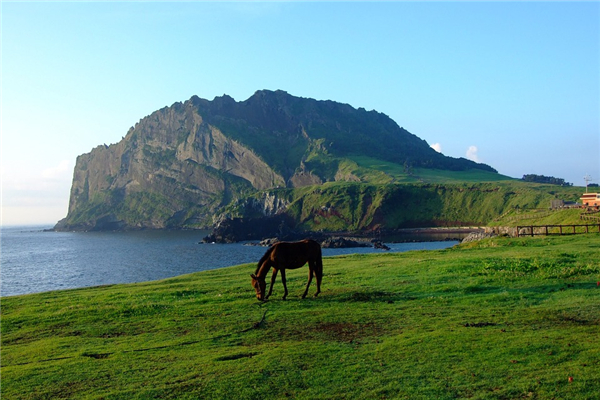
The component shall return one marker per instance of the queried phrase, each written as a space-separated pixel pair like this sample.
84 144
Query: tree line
545 179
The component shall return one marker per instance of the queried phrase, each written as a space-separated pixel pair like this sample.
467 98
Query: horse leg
318 275
272 282
284 284
310 276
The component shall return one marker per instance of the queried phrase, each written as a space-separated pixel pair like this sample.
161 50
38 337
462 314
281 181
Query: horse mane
264 258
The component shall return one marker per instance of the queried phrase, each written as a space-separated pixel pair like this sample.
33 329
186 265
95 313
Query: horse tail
264 258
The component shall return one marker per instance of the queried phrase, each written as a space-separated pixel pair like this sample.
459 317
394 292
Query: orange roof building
590 199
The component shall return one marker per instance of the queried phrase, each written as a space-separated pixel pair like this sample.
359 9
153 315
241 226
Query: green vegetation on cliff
502 318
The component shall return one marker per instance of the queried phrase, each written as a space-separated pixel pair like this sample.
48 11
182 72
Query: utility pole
587 179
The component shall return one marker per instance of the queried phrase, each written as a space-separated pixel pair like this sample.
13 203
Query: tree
545 179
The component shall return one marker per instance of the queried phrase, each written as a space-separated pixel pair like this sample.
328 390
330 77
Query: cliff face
181 164
171 164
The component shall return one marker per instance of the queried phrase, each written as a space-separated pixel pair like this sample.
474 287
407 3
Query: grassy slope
502 318
397 173
543 217
355 206
394 196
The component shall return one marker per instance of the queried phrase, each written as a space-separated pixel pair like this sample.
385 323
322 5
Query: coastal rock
231 230
264 243
340 242
380 245
269 242
474 236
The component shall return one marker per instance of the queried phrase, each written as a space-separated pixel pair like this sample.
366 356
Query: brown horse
288 255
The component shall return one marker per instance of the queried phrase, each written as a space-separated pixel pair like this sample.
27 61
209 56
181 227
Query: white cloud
437 147
58 172
472 154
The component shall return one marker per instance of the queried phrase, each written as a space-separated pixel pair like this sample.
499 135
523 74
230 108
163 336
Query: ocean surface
33 260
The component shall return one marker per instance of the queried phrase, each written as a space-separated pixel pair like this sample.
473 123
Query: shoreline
399 235
36 261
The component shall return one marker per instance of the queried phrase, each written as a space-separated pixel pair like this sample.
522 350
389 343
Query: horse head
260 285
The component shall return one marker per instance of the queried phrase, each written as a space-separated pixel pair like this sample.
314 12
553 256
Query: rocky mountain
183 164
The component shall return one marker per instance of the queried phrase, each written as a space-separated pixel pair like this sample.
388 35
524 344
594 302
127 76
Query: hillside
353 206
181 165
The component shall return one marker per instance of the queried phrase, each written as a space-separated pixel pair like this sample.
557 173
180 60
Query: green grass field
397 173
498 319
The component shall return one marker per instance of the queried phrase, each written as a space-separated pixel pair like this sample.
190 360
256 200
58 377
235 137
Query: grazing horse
288 255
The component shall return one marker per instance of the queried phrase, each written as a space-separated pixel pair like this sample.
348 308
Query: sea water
34 260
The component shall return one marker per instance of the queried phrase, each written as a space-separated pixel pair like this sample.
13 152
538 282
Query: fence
533 230
529 213
590 215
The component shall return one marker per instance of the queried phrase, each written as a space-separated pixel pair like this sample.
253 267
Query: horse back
293 255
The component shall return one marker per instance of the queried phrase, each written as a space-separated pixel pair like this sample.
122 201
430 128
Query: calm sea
33 260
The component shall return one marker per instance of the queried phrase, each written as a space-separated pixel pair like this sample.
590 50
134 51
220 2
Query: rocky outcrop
328 242
182 165
243 229
337 242
380 245
502 230
172 159
480 235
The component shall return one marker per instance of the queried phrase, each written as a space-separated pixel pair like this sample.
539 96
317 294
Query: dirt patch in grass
479 324
97 356
235 356
576 319
345 331
376 296
342 332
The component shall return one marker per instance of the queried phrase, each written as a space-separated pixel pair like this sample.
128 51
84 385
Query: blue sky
517 83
